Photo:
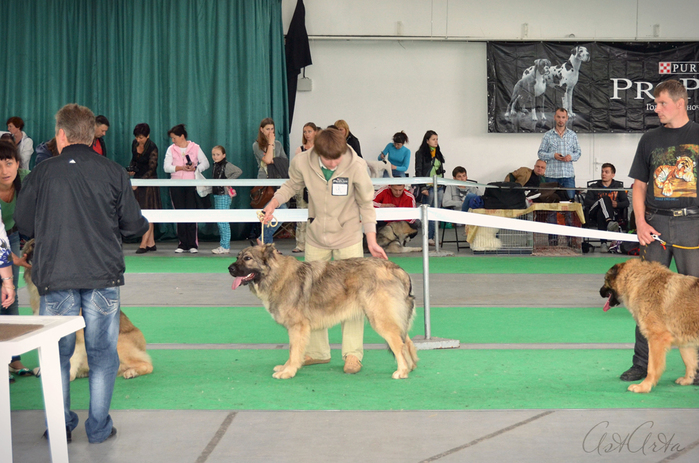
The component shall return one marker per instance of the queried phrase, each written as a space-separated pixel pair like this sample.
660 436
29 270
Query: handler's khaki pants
352 330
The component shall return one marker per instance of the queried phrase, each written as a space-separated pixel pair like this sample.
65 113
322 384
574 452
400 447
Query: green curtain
216 66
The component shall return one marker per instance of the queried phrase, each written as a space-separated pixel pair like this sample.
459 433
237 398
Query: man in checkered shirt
560 149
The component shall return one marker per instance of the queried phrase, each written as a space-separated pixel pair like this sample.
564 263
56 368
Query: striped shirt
553 143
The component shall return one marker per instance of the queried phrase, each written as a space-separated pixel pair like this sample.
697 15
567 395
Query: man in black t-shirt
665 199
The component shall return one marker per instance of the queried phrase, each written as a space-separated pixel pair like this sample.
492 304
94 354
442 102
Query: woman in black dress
144 164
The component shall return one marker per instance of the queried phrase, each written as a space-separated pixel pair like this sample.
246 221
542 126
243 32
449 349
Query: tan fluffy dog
131 346
305 296
665 306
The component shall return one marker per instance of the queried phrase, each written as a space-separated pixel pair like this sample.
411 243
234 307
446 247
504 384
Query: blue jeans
101 310
565 182
270 231
429 200
467 200
13 309
395 173
224 228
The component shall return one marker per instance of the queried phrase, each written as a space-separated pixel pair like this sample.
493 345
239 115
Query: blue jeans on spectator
469 196
13 309
565 182
429 200
270 231
101 310
224 228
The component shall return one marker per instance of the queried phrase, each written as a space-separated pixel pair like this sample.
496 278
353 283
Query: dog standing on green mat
304 296
665 306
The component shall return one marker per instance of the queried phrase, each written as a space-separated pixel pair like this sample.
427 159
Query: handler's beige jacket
334 221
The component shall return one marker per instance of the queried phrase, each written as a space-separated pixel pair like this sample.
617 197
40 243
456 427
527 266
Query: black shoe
634 373
151 248
141 250
112 433
69 436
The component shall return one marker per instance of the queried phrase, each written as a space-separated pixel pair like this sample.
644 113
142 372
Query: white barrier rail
397 213
376 181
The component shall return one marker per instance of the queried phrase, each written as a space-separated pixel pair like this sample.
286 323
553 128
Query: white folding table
20 334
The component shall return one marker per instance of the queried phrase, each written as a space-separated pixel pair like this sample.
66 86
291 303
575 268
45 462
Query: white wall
433 78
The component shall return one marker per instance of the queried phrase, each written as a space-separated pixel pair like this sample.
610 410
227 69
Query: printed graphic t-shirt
667 160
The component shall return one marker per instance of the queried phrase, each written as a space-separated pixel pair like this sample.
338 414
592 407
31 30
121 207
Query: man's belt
675 212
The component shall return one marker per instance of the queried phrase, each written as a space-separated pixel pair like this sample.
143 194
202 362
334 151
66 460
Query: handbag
260 196
202 190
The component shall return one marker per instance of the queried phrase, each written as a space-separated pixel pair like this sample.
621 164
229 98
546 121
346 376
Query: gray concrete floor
609 435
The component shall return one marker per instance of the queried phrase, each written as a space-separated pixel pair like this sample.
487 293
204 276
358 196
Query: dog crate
503 241
557 245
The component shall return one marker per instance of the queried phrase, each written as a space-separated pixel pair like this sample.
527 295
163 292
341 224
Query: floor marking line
489 436
217 438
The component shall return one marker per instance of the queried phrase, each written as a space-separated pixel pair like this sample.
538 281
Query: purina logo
679 67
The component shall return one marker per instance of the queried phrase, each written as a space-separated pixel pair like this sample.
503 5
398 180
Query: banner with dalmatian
605 87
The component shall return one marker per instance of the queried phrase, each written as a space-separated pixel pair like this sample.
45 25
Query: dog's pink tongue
236 282
607 306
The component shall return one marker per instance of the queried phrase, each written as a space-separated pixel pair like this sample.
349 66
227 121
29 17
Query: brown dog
131 346
304 296
665 306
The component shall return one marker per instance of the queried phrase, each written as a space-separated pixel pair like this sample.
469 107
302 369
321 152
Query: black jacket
619 196
424 161
354 143
78 205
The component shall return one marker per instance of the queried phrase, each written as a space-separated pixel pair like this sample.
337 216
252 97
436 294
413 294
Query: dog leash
664 244
272 223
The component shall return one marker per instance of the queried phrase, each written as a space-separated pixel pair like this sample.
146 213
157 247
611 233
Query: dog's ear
269 252
614 271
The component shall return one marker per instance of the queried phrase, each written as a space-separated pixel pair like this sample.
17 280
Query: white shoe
221 250
613 226
430 242
179 250
193 250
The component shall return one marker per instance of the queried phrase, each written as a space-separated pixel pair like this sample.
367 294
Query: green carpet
197 325
465 264
444 380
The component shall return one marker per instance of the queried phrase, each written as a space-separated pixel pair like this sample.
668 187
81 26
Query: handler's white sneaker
221 250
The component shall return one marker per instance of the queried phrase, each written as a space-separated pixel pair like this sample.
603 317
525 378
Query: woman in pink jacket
182 159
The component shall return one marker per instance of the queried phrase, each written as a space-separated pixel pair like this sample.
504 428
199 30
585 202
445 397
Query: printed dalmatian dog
566 76
531 86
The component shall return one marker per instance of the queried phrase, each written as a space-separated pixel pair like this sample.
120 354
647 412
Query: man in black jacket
78 205
603 207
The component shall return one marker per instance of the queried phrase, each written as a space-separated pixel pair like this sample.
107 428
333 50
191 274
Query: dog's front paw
279 368
400 374
640 388
685 381
130 373
286 373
